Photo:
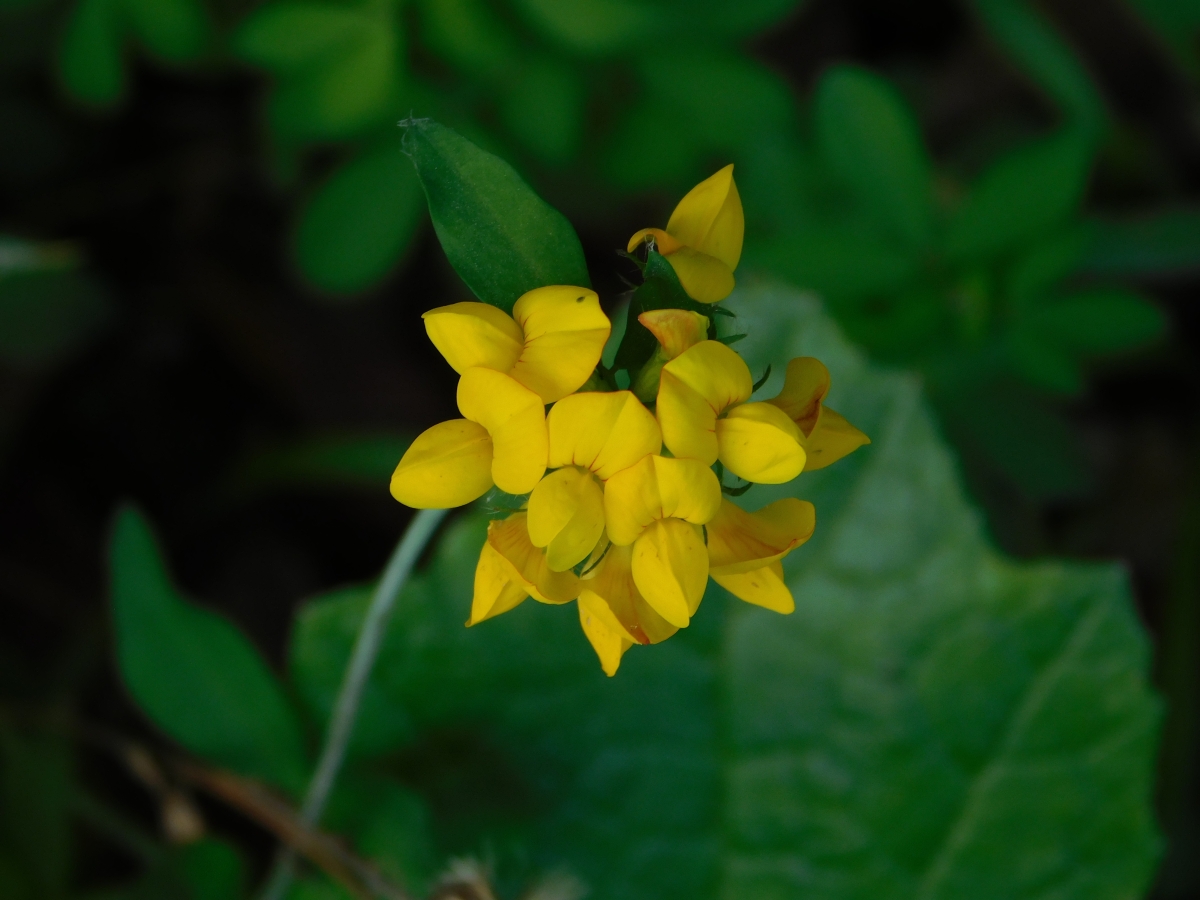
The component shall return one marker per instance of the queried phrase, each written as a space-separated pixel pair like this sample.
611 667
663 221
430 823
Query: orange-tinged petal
515 418
675 329
566 516
447 465
496 591
565 332
659 488
695 388
740 541
670 568
603 632
832 439
758 442
763 587
704 278
527 563
663 241
601 431
613 585
804 387
475 334
709 218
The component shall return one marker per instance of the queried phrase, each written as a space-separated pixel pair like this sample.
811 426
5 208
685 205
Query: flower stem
354 681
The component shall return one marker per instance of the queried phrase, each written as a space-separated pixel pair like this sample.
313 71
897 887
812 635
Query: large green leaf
192 672
501 237
932 722
870 139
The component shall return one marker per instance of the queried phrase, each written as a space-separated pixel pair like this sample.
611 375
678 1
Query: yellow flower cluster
620 507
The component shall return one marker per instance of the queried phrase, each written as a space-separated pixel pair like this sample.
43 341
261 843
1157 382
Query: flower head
703 238
827 436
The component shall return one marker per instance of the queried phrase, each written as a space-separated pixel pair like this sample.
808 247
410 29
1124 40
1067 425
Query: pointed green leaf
291 35
501 237
90 62
1099 320
192 672
868 136
355 229
173 30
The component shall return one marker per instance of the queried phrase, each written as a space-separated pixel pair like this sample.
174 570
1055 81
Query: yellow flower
658 506
676 330
592 437
550 344
703 413
745 549
703 239
510 569
827 435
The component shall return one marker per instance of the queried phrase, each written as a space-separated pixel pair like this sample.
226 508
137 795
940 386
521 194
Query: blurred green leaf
1165 243
212 870
1099 320
356 227
90 63
173 30
837 262
193 673
868 136
592 27
543 108
932 721
501 237
468 34
1048 60
1044 360
287 37
388 823
1022 196
322 638
338 461
651 146
1044 264
35 791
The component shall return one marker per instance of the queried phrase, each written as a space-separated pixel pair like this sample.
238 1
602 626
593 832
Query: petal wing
448 465
758 442
565 332
603 432
670 568
515 418
763 587
474 334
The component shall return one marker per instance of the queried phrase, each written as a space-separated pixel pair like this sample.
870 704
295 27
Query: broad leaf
501 237
1100 320
1021 197
870 139
192 672
932 722
359 223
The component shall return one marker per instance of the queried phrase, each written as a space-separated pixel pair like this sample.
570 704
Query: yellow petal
527 564
604 432
675 329
496 591
804 387
662 241
609 642
515 418
474 334
740 541
709 218
565 332
758 442
832 439
447 465
704 278
566 516
695 388
613 585
762 587
670 568
659 488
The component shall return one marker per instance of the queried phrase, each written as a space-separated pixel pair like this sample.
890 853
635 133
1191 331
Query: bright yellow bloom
676 330
703 239
510 569
703 413
744 549
500 440
658 506
827 435
550 344
592 437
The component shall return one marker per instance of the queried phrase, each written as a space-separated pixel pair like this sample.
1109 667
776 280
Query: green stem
354 682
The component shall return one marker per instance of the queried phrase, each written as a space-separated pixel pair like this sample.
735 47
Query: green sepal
496 504
660 289
501 238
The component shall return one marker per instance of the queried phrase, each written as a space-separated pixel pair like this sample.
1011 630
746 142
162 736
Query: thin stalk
354 681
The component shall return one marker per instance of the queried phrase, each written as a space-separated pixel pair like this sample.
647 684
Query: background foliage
209 288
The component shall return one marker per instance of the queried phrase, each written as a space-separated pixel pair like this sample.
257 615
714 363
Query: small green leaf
173 30
468 34
660 289
868 136
592 27
1044 360
291 35
1164 243
90 62
543 109
838 262
650 146
355 229
193 673
501 237
1100 320
1044 264
1021 197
